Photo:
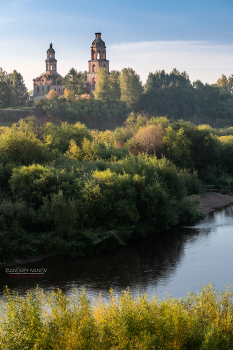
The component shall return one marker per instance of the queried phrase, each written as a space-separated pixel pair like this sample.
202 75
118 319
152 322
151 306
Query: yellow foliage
54 321
52 94
226 139
69 95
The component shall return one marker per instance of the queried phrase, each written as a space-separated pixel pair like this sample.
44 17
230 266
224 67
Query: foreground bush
54 321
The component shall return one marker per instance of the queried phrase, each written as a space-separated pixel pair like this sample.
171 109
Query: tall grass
53 321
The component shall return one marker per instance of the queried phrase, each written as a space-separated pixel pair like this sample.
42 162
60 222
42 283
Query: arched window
98 55
92 55
104 65
51 67
93 68
48 88
38 89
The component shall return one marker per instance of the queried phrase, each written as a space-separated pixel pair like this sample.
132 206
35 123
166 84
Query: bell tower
98 59
51 62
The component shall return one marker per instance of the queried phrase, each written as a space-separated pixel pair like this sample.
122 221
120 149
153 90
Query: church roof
98 43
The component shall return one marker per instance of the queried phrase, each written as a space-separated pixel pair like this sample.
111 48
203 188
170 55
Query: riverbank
210 201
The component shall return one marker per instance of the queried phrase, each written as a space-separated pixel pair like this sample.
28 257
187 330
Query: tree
3 75
5 94
52 94
102 87
107 86
74 81
69 95
147 140
19 88
131 86
115 86
223 82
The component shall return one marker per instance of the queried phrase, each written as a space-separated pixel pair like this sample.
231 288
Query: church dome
98 42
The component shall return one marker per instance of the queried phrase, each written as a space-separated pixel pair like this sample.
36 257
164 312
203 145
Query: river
171 263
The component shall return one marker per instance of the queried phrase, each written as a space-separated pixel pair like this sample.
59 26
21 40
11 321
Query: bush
56 321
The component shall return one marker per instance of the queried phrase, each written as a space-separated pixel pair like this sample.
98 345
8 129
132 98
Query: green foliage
176 146
94 113
74 81
191 181
53 321
58 138
188 212
107 86
5 94
83 191
174 96
131 86
20 147
13 91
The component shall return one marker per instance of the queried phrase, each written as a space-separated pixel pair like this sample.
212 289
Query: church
52 80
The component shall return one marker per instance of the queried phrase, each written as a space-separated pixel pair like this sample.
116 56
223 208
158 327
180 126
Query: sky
195 36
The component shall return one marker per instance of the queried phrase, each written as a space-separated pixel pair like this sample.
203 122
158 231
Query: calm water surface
174 262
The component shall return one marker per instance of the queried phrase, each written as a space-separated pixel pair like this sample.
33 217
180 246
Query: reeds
53 321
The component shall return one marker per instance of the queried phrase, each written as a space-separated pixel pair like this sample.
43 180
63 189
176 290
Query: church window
38 89
51 67
93 68
98 55
48 88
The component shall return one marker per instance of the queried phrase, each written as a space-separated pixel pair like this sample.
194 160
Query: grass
54 321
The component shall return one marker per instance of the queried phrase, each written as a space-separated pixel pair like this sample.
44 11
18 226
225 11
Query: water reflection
171 262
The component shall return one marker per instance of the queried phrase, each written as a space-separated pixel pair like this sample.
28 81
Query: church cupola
51 62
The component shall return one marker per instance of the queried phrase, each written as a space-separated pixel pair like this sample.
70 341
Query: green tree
19 88
115 86
102 87
3 75
107 87
5 94
131 86
74 81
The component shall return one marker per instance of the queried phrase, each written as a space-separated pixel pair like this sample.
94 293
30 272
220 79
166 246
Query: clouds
202 60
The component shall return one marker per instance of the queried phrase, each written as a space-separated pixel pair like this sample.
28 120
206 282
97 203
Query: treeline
116 94
171 95
69 190
13 91
54 321
174 96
